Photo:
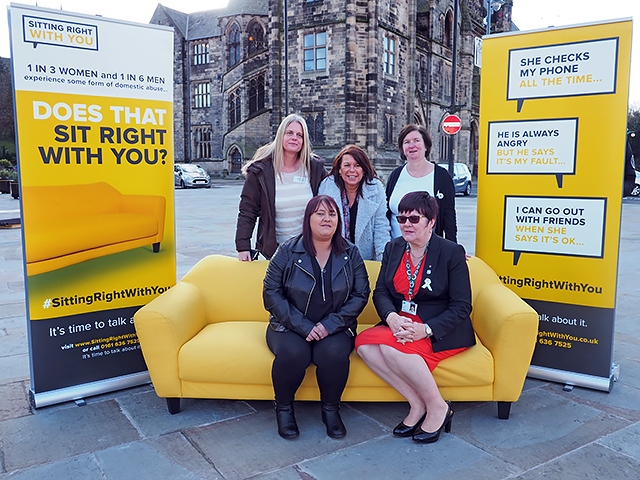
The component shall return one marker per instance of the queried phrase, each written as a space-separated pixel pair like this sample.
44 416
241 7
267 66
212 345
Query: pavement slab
80 467
243 448
14 401
169 456
626 441
14 368
591 462
391 457
51 434
546 426
150 416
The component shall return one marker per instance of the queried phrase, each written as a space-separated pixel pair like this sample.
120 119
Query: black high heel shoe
430 437
402 430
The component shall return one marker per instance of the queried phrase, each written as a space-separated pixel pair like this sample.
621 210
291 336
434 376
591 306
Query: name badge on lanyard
409 307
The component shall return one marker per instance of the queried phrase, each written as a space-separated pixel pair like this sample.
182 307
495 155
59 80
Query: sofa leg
173 404
504 408
156 247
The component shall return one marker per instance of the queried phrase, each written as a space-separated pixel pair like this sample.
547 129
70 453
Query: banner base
604 384
76 392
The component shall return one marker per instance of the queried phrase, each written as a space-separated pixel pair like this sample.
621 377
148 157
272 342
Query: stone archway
235 160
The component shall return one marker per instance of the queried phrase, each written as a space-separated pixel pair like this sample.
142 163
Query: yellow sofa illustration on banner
68 224
205 338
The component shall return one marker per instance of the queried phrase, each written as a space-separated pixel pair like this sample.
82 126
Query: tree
7 131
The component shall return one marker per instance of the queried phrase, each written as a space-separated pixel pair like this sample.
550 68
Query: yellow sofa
69 224
205 338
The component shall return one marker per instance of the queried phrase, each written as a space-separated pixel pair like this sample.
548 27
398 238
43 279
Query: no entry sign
451 124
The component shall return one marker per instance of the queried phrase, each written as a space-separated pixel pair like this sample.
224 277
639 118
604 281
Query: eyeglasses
412 218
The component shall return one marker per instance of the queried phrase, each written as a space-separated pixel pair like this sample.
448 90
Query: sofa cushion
67 235
227 352
237 353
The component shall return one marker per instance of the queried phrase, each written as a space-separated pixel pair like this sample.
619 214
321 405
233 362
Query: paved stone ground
129 434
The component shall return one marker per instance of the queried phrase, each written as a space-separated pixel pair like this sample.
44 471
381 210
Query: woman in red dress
423 296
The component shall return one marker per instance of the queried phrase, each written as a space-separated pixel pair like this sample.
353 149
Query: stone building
357 70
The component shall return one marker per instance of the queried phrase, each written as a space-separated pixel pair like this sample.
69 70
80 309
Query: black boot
331 418
287 426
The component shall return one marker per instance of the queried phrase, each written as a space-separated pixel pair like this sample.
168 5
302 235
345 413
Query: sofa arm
153 205
163 326
508 327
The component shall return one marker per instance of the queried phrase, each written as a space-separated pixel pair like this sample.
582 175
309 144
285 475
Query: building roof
206 24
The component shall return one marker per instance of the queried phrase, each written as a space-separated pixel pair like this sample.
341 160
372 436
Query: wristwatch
427 330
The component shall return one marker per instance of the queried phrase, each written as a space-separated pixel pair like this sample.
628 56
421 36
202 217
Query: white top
406 184
293 192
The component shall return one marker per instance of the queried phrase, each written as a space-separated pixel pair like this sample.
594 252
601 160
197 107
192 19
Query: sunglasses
412 218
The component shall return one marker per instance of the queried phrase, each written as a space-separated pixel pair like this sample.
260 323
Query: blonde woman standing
281 178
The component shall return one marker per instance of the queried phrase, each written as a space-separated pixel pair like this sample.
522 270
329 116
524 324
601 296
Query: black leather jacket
289 283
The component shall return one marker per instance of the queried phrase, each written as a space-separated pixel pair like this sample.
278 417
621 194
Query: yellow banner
553 120
97 187
94 116
550 175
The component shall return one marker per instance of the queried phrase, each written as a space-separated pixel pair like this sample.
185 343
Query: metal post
488 17
454 65
286 58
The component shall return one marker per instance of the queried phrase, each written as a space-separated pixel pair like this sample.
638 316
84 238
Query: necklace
411 277
418 257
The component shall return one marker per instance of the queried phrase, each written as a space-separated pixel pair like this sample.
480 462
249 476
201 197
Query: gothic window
315 125
234 45
389 56
202 95
202 142
448 30
315 51
389 138
256 94
443 147
256 38
235 108
200 53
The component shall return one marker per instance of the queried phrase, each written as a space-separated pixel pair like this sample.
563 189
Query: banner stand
77 392
93 104
575 379
553 111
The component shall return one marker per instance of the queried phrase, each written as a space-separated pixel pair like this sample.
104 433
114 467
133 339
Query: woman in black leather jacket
315 287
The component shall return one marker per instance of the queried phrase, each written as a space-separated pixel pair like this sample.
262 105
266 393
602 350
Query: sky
527 15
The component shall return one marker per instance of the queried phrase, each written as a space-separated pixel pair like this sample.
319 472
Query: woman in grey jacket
315 287
352 183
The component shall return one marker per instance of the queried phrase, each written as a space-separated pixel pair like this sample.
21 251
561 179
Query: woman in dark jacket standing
315 287
419 174
280 179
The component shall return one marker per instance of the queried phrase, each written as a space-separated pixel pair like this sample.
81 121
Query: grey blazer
372 227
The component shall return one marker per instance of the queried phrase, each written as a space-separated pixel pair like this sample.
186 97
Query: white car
461 177
189 175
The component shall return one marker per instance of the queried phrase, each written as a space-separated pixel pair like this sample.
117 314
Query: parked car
188 175
461 177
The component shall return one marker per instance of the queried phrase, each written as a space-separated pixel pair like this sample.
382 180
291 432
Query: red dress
381 334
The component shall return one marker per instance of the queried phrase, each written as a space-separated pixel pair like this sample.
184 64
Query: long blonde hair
274 149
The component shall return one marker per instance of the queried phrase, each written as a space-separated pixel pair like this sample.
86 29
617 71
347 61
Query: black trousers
294 354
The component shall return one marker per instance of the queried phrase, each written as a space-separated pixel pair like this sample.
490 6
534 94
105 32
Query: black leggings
294 354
